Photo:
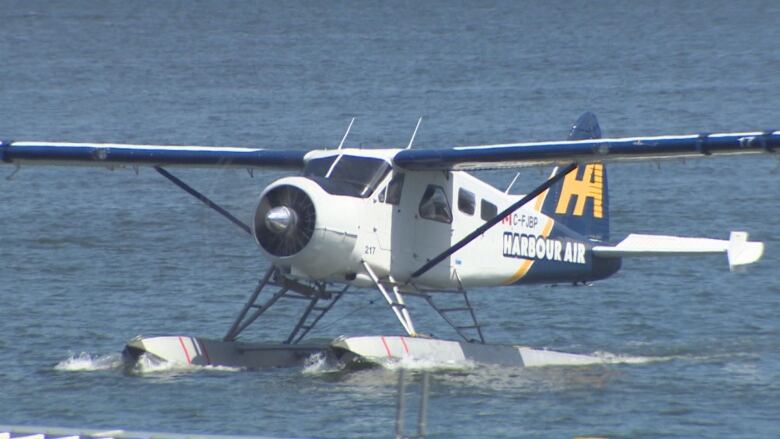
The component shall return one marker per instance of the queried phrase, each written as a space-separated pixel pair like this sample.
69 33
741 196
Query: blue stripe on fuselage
567 257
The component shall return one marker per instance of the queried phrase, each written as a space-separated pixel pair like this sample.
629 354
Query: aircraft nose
284 220
280 219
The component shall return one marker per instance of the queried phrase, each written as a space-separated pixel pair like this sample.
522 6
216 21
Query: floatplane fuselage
362 211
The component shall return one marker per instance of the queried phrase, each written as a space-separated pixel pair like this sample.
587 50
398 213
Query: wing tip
741 252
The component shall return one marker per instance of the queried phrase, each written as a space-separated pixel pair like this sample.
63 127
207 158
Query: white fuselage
396 236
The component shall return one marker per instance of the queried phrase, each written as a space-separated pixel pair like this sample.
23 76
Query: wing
117 155
583 151
458 158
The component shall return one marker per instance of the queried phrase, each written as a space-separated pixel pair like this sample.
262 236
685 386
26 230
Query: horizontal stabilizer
740 252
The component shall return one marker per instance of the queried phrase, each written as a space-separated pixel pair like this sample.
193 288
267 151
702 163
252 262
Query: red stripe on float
406 348
387 348
187 354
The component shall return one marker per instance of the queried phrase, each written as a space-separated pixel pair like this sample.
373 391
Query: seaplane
413 222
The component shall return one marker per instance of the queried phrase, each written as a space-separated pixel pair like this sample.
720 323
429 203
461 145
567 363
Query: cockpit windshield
347 175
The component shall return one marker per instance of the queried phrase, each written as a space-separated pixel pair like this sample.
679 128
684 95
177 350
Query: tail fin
580 202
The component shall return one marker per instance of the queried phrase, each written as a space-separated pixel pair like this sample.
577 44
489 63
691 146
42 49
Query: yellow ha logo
590 186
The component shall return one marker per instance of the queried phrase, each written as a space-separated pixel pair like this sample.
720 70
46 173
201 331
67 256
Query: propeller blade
495 220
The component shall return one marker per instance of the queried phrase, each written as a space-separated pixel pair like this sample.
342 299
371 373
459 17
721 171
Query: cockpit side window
435 206
467 202
391 194
488 210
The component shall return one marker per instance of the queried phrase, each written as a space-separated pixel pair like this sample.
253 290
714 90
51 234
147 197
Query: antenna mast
512 183
346 134
409 146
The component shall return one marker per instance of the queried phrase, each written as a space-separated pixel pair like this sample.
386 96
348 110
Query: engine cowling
301 227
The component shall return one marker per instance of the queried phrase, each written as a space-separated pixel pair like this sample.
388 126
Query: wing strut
205 200
495 220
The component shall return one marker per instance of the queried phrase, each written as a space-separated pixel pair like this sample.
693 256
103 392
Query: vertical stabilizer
580 202
587 127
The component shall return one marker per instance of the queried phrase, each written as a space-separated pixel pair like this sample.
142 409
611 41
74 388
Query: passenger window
391 194
434 205
467 203
488 210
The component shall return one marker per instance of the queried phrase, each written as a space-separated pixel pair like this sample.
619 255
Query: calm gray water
90 258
